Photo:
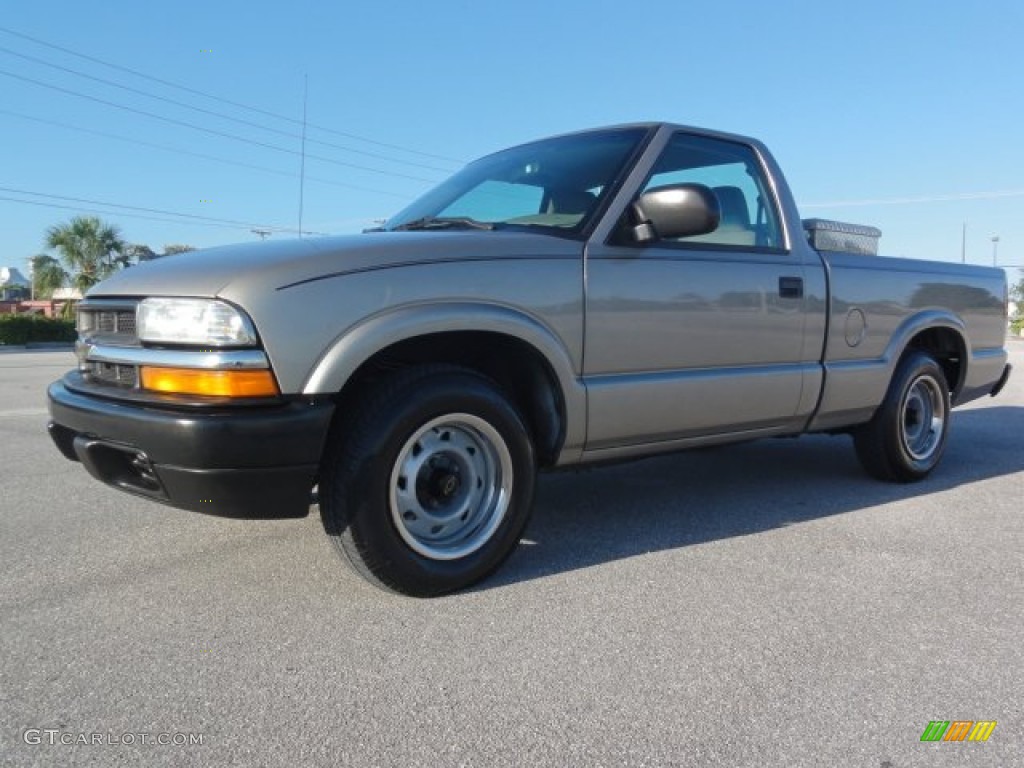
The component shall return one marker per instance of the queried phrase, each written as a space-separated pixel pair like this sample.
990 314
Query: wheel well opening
518 368
946 346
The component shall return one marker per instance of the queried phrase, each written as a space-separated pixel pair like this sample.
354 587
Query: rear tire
428 489
907 436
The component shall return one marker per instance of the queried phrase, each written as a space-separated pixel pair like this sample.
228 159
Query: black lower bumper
243 461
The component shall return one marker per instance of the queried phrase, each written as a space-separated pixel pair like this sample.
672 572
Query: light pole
995 248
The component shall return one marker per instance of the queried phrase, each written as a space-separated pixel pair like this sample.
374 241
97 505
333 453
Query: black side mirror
675 210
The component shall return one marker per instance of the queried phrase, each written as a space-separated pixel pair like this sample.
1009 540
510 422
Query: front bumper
250 461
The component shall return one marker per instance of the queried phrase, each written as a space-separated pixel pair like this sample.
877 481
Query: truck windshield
555 183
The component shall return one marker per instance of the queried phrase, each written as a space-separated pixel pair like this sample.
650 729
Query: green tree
140 252
172 248
89 249
1017 296
47 275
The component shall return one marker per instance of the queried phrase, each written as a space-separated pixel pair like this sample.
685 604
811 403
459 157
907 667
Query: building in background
16 296
14 285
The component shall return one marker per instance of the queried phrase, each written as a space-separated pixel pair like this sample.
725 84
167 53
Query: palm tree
172 248
90 249
139 253
47 276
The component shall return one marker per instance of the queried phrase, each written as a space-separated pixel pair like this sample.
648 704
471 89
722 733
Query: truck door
699 335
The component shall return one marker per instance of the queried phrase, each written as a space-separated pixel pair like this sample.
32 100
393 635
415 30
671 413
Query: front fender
352 348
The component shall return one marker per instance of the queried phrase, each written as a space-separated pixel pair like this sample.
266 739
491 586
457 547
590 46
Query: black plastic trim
232 461
1002 381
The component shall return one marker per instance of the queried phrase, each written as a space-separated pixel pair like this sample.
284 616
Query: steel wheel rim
450 486
922 418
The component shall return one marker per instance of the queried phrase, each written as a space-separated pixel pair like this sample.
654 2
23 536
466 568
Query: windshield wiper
442 222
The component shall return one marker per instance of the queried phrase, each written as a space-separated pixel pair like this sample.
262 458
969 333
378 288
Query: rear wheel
429 488
907 436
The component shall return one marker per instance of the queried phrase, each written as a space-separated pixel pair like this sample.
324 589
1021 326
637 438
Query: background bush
22 329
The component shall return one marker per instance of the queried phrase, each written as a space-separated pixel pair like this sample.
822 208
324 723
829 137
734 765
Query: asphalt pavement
760 605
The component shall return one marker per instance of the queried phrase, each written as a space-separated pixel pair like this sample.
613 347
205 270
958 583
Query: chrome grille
108 321
116 323
113 373
119 322
126 323
105 322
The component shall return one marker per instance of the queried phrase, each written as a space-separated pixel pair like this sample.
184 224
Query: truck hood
237 269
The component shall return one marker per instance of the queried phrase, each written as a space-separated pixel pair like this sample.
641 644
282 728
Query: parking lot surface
759 605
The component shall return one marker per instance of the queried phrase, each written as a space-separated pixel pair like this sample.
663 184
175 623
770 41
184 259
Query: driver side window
749 219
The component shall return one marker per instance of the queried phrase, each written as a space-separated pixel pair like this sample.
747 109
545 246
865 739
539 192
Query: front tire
429 488
907 436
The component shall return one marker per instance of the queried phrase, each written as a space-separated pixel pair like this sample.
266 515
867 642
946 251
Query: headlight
206 322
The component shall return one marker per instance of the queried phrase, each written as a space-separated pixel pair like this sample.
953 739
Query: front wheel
428 490
907 436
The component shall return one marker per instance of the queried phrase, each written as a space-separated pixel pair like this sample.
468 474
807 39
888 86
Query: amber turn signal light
190 381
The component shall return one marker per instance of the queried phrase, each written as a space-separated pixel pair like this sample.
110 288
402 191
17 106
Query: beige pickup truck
595 296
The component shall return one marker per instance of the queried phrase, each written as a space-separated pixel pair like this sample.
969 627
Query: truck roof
644 125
